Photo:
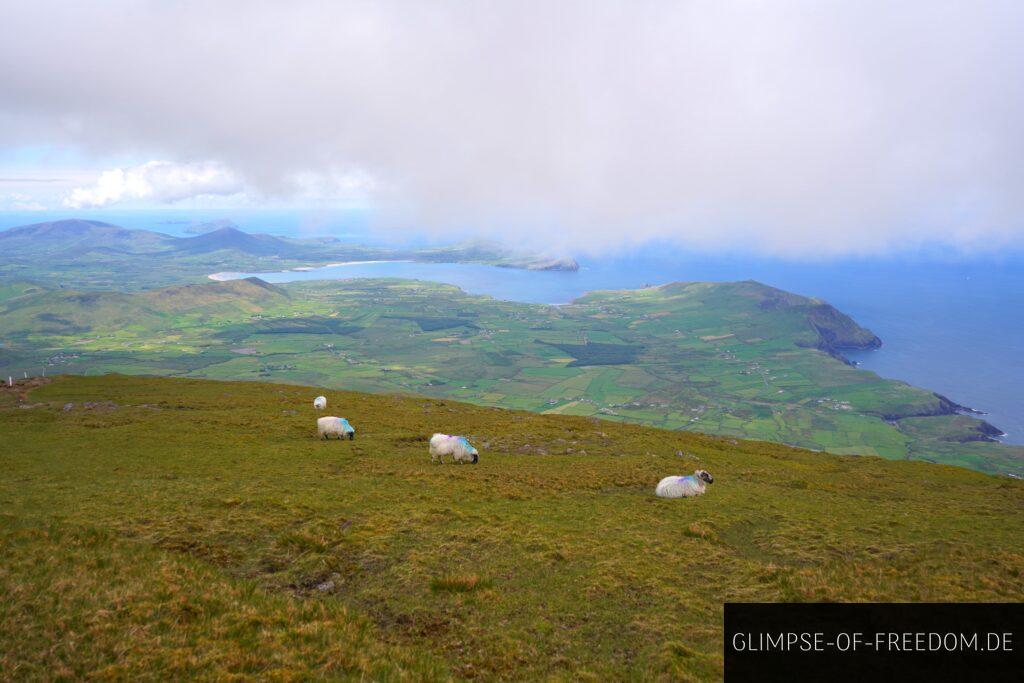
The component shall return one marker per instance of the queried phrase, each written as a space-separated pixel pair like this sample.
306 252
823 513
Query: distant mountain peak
230 237
228 230
262 284
73 237
209 226
75 226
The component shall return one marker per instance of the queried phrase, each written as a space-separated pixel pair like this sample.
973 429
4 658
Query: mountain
248 295
209 226
230 238
95 255
74 237
180 529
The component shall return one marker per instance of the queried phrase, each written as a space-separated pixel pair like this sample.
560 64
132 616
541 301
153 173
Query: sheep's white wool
320 402
334 426
456 446
683 487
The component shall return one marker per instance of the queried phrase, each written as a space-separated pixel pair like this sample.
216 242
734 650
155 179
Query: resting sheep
335 426
320 402
684 487
456 446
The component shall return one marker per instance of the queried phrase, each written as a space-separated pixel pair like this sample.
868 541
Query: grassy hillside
164 528
739 359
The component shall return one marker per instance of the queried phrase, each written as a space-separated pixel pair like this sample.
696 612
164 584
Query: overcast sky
792 128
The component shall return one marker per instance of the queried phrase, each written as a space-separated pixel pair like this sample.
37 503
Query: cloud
155 181
797 128
18 201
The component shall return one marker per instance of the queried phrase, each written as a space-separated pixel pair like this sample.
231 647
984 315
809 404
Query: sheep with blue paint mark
456 446
684 487
327 427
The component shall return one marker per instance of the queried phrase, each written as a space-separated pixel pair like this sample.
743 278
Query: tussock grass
452 583
698 530
200 529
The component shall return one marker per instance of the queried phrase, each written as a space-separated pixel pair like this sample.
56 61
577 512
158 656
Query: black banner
869 642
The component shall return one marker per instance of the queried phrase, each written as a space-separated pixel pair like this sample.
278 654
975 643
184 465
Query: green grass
739 359
164 529
597 353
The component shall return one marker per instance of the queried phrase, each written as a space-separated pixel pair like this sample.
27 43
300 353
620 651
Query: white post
10 381
25 374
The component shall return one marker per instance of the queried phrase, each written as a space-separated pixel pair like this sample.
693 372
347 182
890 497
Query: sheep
456 446
335 426
684 487
320 402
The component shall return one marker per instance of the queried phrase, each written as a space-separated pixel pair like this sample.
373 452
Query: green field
737 359
159 529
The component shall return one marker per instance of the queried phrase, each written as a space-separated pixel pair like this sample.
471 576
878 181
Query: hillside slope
183 528
740 359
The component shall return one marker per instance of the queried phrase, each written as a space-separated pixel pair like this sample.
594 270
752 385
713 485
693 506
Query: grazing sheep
320 402
684 487
456 446
335 426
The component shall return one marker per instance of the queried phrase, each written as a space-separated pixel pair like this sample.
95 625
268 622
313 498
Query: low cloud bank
794 128
155 181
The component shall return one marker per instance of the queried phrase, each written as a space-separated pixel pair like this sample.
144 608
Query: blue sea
950 324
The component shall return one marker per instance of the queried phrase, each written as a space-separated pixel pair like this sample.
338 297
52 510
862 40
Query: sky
784 128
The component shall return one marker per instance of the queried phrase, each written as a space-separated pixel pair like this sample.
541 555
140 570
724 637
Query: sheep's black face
475 458
351 435
706 476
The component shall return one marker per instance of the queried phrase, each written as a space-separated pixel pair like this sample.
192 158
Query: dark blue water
955 326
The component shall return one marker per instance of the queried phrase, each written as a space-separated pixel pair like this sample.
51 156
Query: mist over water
951 326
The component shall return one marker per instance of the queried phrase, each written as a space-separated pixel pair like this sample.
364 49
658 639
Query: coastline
899 358
226 275
353 263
